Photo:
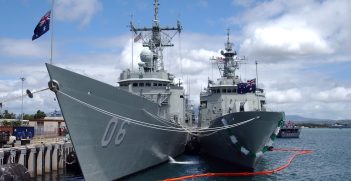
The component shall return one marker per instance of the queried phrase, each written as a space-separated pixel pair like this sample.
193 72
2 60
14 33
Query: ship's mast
156 38
230 62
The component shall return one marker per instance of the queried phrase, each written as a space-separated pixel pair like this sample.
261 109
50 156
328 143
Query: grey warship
239 108
118 131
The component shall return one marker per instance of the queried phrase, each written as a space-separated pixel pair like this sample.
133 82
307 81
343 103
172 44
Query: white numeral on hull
110 131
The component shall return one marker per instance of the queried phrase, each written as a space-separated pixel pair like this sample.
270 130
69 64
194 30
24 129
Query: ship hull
99 118
242 145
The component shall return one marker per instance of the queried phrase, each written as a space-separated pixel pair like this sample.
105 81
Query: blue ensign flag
43 26
242 88
251 85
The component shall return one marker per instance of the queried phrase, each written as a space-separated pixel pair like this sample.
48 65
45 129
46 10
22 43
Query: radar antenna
156 38
228 64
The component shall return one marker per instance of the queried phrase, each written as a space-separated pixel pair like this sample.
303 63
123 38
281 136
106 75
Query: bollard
55 157
40 160
31 161
48 158
22 157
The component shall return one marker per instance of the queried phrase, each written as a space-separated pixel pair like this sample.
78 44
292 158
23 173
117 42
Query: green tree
28 117
16 123
39 115
6 123
7 115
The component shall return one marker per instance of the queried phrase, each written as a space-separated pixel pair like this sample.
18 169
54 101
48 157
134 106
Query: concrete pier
54 161
38 158
48 158
32 161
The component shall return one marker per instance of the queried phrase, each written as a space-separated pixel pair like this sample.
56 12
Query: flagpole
258 101
52 29
256 75
132 51
131 17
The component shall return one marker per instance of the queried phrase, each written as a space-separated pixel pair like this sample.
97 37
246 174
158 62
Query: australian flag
251 85
242 88
43 26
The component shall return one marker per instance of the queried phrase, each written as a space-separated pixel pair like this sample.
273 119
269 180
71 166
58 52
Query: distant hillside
300 118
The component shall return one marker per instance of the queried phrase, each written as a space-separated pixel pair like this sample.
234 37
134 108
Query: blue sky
303 47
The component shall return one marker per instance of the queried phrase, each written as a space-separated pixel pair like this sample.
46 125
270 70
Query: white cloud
285 41
21 48
290 95
77 10
337 94
283 30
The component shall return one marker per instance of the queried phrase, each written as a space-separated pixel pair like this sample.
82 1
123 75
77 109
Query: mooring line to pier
242 174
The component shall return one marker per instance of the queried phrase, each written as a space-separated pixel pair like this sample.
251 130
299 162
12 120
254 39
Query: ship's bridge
223 89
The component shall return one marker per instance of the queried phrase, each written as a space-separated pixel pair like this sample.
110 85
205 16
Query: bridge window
135 84
229 90
141 84
148 84
155 84
224 90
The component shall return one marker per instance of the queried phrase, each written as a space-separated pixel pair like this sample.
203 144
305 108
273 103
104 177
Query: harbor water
331 160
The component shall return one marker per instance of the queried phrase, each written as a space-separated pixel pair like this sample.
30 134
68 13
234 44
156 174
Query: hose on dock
238 174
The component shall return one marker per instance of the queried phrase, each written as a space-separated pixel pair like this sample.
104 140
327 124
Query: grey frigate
118 131
240 109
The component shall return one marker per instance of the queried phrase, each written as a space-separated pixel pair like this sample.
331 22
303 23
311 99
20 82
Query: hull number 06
110 132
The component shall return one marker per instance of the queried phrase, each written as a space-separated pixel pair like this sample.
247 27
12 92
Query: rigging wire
179 128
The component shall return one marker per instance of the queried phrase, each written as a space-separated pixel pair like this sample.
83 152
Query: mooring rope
23 95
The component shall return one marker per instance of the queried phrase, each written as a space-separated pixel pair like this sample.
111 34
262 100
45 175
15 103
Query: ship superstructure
151 80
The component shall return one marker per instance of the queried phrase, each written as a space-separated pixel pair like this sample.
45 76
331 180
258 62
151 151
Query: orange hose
235 174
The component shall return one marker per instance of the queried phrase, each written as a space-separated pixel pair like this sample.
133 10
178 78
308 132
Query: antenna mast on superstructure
229 63
156 38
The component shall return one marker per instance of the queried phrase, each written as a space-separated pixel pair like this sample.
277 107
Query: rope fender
236 174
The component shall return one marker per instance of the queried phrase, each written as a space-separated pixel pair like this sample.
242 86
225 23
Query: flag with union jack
137 38
43 26
251 85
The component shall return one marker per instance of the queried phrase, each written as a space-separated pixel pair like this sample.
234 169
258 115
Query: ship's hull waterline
242 145
107 144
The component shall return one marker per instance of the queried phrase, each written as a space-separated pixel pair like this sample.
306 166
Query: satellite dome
141 64
146 55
